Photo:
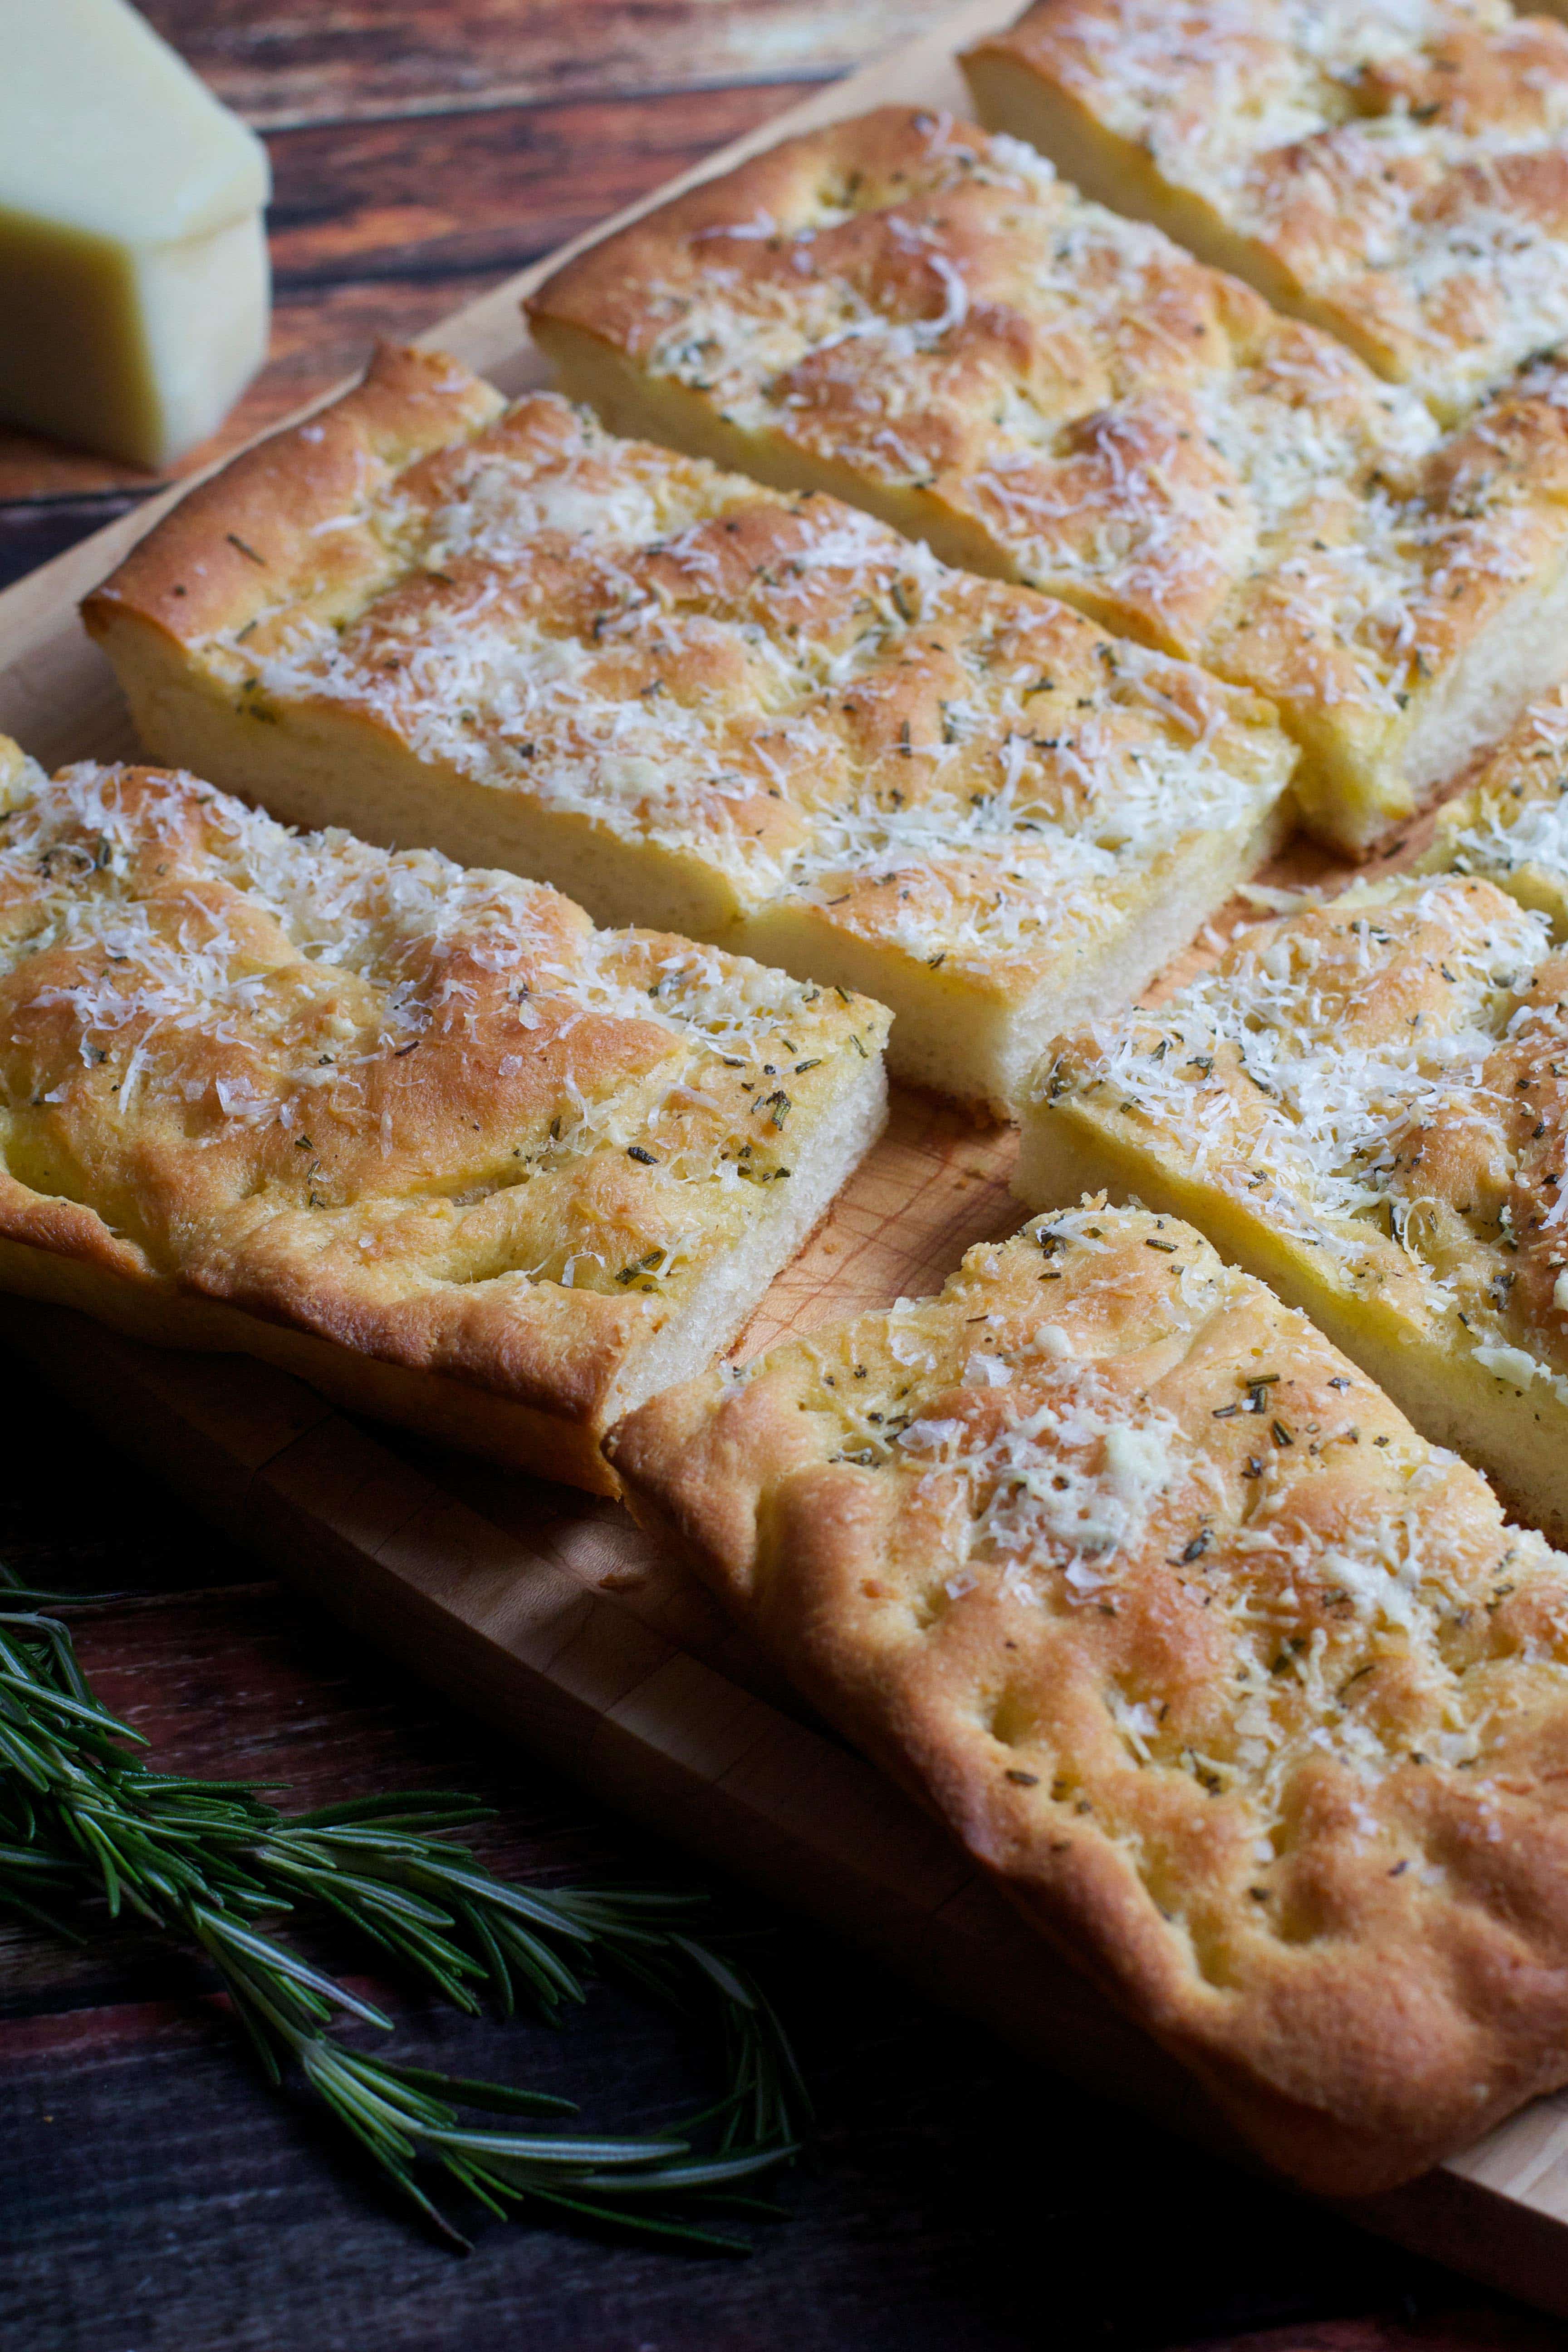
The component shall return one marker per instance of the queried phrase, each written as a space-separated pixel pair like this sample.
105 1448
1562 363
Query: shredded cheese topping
1386 1079
1400 166
1101 417
816 713
1164 1568
301 1061
1512 824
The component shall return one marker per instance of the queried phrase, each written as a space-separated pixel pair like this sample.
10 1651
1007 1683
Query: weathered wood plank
405 58
380 229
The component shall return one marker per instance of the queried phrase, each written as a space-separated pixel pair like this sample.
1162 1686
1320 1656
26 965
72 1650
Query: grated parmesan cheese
1391 172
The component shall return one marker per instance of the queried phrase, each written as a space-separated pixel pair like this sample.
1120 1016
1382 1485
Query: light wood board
551 1616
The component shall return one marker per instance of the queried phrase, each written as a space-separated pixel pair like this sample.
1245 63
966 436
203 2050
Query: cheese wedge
133 272
1397 174
417 1133
1511 825
1367 1104
1242 1690
697 703
910 314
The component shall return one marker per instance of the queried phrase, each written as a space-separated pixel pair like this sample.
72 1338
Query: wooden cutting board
548 1613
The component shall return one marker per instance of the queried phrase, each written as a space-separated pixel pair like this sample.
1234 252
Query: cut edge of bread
641 407
502 1429
1350 794
1012 96
321 764
477 1419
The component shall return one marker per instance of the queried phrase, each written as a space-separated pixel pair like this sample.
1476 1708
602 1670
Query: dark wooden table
156 2198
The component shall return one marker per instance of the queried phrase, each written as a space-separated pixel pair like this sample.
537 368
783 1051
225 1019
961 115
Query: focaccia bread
1395 172
1244 1691
906 312
1511 825
688 701
419 1134
1367 1104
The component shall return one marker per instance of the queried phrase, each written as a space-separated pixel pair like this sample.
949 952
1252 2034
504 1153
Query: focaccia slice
924 319
1367 1104
418 1133
1242 1690
1395 175
692 702
1511 825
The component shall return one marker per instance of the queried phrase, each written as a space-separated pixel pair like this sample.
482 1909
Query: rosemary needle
206 1862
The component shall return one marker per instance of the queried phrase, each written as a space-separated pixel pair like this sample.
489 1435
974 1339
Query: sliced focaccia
692 702
420 1134
1397 175
1365 1103
1511 825
924 319
1242 1690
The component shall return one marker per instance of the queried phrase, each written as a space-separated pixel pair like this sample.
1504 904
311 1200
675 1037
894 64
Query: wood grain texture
957 2201
214 1679
167 2191
145 2175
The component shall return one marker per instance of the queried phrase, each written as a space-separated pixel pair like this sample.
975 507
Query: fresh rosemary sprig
204 1862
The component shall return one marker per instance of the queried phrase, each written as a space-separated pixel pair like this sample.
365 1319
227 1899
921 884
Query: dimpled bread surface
1242 1690
419 1132
926 320
1365 1103
1395 173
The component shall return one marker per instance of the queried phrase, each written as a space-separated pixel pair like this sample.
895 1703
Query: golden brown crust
778 706
932 321
1244 1692
934 310
1511 825
1401 179
427 1114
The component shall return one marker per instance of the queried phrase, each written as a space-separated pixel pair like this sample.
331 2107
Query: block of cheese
133 279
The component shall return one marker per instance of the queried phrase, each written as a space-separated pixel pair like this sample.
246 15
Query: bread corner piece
417 1133
1244 1691
926 320
1366 1105
1395 177
1511 823
691 701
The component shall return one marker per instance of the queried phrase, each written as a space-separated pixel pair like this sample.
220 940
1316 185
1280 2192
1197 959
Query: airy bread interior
417 1131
